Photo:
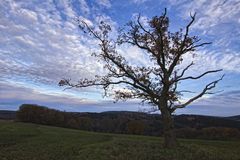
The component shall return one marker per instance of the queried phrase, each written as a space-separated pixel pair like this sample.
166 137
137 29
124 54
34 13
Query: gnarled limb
207 88
197 77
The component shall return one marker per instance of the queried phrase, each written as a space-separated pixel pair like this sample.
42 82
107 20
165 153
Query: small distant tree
157 83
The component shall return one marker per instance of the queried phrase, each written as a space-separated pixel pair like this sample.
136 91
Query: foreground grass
22 141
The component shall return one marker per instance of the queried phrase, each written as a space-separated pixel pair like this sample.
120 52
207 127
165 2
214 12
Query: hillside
24 141
8 115
124 122
181 121
236 118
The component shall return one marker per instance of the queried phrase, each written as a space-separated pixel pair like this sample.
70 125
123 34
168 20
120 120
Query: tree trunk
170 140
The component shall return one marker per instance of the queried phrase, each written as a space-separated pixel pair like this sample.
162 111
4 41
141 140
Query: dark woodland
186 126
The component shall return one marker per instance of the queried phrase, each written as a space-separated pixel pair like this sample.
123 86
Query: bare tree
157 83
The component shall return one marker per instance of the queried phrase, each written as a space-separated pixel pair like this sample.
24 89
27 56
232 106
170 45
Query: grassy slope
22 141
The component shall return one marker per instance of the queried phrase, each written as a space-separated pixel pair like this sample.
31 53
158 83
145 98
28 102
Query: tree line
125 123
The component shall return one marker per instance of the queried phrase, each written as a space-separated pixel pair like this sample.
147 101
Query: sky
40 43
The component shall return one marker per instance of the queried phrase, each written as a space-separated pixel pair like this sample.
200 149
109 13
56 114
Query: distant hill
181 121
236 118
8 115
125 122
201 121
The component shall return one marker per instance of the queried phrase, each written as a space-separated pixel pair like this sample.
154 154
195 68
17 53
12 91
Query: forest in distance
124 122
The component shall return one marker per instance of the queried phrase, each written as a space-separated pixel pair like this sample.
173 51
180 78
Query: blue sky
40 44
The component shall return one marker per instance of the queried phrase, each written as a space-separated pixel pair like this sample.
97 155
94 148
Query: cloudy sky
40 44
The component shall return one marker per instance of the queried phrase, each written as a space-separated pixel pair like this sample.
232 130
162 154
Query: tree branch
161 41
180 52
146 31
184 70
204 91
191 77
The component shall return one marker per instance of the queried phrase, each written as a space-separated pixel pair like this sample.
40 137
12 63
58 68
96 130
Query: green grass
23 141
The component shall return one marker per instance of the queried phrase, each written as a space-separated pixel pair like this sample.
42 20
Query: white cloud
143 19
139 1
84 6
205 60
30 15
104 3
13 95
214 18
45 50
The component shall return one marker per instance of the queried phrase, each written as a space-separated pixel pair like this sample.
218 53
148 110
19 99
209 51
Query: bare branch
202 44
89 29
184 70
145 30
185 91
193 47
161 40
183 44
204 91
191 77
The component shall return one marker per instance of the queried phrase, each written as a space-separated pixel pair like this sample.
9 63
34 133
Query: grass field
23 141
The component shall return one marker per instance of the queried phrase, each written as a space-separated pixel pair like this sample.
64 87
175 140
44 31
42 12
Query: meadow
26 141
